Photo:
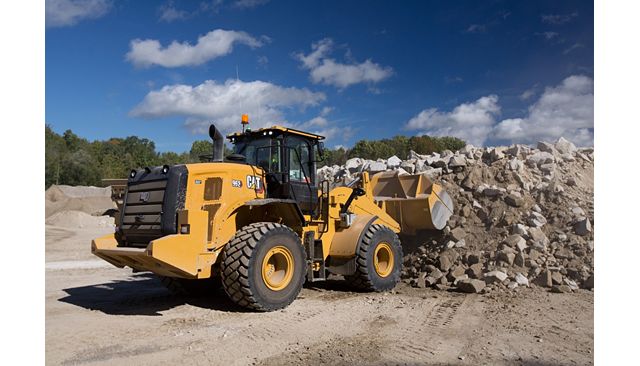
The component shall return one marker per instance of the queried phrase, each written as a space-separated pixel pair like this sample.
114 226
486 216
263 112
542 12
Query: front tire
378 261
263 266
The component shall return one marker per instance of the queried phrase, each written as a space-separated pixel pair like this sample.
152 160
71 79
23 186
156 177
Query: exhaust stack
218 143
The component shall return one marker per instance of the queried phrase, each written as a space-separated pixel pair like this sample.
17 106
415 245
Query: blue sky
490 72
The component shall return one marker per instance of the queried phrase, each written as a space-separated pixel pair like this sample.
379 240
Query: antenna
241 104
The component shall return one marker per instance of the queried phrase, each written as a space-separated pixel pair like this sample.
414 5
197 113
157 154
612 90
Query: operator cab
288 158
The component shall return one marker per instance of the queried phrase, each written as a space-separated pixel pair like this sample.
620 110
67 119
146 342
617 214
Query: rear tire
378 261
263 266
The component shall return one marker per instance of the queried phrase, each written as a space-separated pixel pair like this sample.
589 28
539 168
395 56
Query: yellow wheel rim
277 268
383 259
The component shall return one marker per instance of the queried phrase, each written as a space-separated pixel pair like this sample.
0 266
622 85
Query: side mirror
321 149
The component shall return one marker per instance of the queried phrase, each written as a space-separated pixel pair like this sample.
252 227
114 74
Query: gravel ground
104 315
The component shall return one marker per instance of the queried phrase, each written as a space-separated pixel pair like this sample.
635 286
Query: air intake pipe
218 143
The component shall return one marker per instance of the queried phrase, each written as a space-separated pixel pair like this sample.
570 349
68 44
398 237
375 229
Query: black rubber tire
366 278
186 287
242 261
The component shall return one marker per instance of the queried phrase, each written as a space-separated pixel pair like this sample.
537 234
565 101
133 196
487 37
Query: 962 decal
236 183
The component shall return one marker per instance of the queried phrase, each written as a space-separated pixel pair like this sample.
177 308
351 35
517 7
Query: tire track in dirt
414 339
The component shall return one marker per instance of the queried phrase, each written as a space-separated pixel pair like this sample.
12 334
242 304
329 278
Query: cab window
299 159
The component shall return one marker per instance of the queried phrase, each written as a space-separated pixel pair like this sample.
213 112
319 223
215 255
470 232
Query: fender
346 244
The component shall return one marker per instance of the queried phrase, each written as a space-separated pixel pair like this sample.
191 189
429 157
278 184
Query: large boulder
565 146
394 162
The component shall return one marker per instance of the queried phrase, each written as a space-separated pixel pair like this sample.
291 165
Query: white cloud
477 28
574 47
223 104
527 94
548 35
321 125
471 122
328 71
247 4
61 13
217 43
169 13
565 110
558 19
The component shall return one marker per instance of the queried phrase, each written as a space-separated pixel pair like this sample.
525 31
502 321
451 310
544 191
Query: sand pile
79 220
91 200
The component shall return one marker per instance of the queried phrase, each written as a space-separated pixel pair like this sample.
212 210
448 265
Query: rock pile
523 216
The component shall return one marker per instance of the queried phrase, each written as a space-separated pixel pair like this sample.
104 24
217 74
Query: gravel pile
523 216
94 201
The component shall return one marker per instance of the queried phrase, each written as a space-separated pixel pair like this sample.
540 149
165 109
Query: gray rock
561 289
471 286
548 168
515 164
433 173
475 270
519 229
458 234
506 256
457 161
495 277
521 260
564 146
521 279
556 278
376 166
436 274
544 279
496 153
430 281
394 162
514 199
571 283
409 167
460 244
353 165
541 157
582 227
517 242
536 219
545 146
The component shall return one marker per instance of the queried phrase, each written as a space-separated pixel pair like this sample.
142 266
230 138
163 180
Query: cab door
301 168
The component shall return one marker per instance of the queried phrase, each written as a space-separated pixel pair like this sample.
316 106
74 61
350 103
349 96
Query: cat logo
254 182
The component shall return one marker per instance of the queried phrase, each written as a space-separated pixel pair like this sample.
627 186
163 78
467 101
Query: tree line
73 160
397 145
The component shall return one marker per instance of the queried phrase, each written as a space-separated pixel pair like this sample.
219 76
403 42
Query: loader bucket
414 201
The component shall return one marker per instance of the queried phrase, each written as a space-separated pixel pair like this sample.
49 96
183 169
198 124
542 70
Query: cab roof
292 131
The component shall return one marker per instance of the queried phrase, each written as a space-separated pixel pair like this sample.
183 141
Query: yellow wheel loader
260 223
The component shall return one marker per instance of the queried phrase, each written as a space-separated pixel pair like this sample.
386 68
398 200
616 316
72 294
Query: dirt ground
97 315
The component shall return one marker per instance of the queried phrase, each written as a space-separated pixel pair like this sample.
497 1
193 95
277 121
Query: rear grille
142 216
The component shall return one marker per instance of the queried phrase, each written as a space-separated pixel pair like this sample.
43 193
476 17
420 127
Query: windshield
263 152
